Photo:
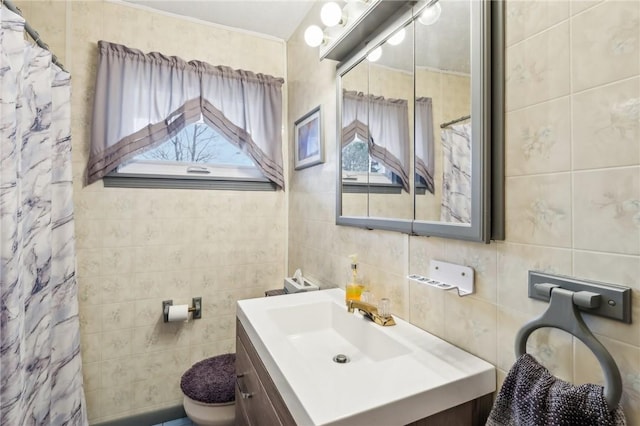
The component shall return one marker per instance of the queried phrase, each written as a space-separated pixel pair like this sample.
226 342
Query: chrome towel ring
563 313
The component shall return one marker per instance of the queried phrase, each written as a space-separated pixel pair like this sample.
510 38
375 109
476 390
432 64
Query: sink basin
394 375
319 331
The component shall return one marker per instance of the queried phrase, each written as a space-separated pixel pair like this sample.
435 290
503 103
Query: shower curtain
456 174
40 365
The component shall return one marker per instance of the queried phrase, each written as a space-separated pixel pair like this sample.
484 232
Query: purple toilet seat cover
211 380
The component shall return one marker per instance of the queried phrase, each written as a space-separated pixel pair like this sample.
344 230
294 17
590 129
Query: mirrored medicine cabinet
420 123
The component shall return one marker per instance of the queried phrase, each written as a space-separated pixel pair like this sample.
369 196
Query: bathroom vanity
286 352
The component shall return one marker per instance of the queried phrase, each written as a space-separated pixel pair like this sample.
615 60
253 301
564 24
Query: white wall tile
618 270
605 44
606 126
539 139
526 18
514 263
538 209
607 210
538 68
471 324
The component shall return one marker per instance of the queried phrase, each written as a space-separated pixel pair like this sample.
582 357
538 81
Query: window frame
171 174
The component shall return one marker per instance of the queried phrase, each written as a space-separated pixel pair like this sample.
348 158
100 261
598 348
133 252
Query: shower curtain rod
32 33
457 120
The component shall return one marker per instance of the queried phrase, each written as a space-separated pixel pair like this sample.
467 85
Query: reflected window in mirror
360 168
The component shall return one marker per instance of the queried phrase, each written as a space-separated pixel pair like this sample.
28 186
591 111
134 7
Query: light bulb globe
375 54
397 38
331 14
430 14
313 36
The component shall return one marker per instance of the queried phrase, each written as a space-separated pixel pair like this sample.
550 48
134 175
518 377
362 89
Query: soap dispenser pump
353 287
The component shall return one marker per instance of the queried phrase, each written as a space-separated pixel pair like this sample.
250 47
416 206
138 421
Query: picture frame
308 149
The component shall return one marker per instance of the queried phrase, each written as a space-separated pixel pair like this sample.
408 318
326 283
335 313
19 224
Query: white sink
319 331
394 376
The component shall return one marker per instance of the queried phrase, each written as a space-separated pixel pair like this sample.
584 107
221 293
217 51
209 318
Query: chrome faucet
370 311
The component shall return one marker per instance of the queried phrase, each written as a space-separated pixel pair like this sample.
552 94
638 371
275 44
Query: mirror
377 117
443 112
430 173
355 159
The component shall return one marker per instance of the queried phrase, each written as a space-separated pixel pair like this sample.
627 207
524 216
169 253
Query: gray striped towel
531 396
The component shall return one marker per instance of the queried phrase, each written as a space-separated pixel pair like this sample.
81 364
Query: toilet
209 391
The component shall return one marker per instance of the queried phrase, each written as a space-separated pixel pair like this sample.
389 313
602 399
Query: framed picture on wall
308 147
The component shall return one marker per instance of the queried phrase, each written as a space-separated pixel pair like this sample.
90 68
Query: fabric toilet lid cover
212 380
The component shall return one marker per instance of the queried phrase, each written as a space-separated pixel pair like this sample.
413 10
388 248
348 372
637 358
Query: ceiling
444 45
277 19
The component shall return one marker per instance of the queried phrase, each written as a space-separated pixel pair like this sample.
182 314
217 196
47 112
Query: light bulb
397 38
331 14
375 54
313 36
354 9
430 14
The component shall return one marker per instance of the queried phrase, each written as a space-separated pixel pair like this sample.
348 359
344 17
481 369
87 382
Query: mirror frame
487 119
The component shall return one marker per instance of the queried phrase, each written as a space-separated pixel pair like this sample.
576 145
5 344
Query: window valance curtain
384 124
142 99
425 162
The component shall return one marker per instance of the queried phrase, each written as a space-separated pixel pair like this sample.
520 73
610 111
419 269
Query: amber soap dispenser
353 287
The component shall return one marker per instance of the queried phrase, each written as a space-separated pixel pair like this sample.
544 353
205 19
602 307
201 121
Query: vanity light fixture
314 36
375 54
335 19
331 15
397 38
430 14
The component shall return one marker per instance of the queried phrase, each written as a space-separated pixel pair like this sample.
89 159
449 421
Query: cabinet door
253 404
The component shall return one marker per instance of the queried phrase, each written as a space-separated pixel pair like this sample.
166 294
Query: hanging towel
531 396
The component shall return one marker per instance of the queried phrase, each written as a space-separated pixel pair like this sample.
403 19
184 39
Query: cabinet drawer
253 401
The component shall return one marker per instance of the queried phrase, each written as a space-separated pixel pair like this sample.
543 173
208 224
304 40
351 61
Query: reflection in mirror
455 117
443 109
354 142
377 119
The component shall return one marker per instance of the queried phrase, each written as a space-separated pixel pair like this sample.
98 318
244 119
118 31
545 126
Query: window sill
131 180
371 188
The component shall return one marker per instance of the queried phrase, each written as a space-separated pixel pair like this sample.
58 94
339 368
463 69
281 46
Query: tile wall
137 247
572 193
573 197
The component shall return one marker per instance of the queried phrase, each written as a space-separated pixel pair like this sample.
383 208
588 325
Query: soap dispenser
353 287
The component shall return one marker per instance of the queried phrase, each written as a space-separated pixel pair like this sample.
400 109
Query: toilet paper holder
195 308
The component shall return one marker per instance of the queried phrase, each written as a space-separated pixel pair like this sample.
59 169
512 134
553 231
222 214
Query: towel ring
562 313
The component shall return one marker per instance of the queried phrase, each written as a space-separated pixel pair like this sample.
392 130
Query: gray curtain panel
425 161
142 99
384 123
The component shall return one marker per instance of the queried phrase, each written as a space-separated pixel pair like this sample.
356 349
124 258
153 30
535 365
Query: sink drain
341 359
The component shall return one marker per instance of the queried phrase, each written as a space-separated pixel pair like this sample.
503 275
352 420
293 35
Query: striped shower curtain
40 365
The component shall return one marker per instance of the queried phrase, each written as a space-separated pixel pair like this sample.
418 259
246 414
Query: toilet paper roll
178 313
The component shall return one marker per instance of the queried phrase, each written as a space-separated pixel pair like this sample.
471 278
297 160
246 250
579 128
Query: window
196 157
143 97
361 171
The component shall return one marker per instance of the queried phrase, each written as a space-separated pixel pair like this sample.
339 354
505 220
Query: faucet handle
384 307
367 297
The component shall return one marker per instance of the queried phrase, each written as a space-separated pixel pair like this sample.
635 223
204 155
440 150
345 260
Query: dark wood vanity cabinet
258 402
